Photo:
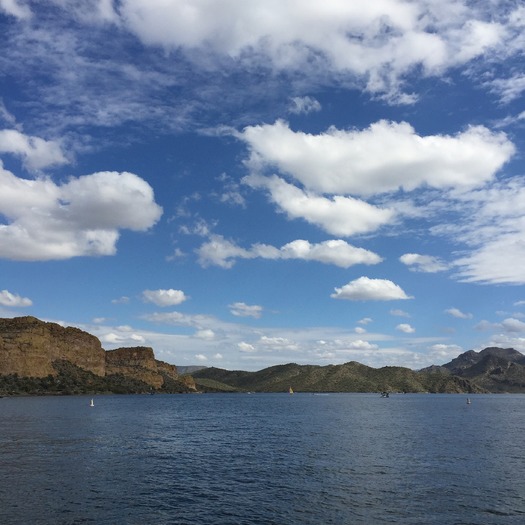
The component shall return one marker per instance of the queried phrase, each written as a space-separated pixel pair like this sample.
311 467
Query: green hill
349 377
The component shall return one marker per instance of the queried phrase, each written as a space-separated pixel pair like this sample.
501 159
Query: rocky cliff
140 363
28 347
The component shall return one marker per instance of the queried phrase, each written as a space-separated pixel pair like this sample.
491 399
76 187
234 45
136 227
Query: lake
263 459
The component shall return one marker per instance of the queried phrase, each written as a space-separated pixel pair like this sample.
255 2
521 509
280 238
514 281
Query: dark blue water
263 459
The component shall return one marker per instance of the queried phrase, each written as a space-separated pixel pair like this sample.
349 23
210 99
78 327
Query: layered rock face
140 363
29 346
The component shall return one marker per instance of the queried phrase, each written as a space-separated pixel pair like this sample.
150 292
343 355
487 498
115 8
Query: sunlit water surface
263 459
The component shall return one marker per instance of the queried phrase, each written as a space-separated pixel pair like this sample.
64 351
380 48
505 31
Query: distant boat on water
92 404
468 401
290 390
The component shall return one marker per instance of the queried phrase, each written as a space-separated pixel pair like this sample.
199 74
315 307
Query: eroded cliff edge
31 348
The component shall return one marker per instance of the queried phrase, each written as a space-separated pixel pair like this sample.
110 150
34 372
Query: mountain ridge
40 357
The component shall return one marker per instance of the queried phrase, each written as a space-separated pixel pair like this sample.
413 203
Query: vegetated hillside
349 377
73 380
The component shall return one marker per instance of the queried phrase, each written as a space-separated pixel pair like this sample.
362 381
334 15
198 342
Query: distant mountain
38 358
491 370
494 369
349 377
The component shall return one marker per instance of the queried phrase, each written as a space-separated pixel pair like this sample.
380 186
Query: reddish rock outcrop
29 346
137 362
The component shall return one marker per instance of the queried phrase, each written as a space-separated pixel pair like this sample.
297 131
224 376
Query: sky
245 184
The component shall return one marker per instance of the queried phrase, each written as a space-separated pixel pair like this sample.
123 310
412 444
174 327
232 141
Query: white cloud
304 105
445 352
366 289
399 313
164 297
199 321
365 320
509 89
13 300
359 330
15 8
384 157
405 328
81 217
278 343
121 300
423 263
455 312
122 339
245 310
207 335
513 325
36 153
201 358
492 225
379 42
245 347
339 215
222 252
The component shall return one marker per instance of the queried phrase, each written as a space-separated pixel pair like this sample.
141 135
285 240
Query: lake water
263 459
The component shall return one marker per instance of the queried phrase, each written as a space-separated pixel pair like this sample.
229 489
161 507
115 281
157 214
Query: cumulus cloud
384 157
206 335
122 338
339 215
13 300
513 325
245 347
378 42
81 217
278 343
423 263
455 312
366 289
164 297
36 153
246 310
405 328
221 252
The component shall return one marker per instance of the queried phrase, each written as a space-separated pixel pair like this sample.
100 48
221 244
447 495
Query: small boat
290 390
92 404
385 394
468 401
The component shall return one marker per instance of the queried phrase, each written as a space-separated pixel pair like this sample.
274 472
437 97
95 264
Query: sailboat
92 404
468 401
290 390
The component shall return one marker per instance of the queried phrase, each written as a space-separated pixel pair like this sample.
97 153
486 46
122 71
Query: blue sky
243 184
